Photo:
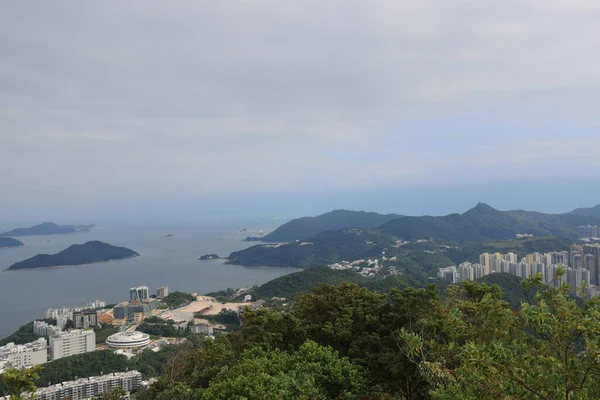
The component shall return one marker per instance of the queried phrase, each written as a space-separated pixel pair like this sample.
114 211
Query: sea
26 294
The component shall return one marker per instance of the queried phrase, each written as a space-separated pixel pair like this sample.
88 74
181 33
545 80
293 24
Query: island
6 242
77 254
48 228
209 257
169 236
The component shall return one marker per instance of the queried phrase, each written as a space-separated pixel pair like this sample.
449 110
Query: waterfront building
139 293
71 343
162 292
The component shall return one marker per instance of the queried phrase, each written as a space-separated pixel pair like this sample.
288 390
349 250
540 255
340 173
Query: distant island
77 254
169 236
48 228
209 257
6 242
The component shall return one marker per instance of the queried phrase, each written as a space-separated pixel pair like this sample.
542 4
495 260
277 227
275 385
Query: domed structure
128 340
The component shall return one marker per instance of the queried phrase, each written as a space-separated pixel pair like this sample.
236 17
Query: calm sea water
25 295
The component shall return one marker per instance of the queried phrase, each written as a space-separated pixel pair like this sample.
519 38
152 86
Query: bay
26 294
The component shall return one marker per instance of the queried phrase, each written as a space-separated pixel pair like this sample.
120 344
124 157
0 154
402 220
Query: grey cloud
202 97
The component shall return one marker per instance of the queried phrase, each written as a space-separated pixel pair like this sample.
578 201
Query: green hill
589 212
6 242
512 291
484 223
78 254
308 227
326 248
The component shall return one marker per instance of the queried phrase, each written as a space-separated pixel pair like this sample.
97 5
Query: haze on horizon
268 108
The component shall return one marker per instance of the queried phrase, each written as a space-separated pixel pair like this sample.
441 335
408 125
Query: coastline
70 265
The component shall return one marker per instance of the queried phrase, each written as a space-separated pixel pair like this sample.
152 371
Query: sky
193 108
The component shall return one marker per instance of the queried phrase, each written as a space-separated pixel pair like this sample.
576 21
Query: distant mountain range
480 224
77 254
6 242
308 227
590 212
47 228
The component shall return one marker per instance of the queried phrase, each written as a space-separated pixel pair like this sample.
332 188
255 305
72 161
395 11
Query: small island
209 257
78 254
48 228
6 242
169 236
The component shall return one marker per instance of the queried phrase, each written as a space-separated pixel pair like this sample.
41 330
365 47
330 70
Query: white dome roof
128 339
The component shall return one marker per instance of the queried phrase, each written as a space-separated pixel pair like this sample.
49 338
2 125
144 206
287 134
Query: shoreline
69 265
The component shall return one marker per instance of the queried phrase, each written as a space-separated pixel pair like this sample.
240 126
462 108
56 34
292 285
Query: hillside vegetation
308 227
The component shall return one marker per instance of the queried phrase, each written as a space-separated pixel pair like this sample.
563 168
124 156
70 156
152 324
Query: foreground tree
21 381
549 349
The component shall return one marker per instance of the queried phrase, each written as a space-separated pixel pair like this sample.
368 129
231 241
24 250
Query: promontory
77 254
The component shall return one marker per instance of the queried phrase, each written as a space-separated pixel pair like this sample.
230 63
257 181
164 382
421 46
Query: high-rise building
42 328
139 293
71 343
23 355
85 319
162 292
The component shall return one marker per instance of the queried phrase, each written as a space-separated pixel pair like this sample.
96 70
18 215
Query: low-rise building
87 388
201 329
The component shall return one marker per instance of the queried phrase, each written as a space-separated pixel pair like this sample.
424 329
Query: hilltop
590 212
77 254
6 242
480 228
48 228
483 223
308 227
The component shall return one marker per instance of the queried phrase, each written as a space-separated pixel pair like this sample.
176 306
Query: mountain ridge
308 227
47 228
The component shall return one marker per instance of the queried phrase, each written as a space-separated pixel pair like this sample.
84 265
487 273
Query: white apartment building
23 355
41 328
71 343
88 388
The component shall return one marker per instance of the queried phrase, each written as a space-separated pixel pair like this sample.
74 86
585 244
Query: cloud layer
105 100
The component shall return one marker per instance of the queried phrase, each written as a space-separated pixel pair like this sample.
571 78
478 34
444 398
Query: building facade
85 319
162 292
71 343
21 356
139 293
88 388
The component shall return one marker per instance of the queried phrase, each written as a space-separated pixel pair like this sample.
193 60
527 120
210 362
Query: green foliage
18 381
512 292
158 327
103 332
326 248
77 254
483 223
313 372
177 299
225 317
548 349
23 335
303 281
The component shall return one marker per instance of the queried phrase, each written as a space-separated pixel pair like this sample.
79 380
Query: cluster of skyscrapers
582 265
588 231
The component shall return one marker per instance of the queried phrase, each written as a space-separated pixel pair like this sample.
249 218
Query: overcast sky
112 107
